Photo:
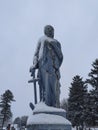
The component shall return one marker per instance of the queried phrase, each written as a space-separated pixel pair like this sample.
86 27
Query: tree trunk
3 121
76 127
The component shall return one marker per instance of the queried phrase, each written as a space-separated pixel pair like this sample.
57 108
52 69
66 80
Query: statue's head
49 31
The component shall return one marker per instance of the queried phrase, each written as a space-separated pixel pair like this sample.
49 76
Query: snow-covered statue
48 59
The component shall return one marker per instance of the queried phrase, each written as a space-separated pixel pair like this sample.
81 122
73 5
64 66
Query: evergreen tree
89 114
24 120
6 100
93 81
17 121
76 102
94 75
21 121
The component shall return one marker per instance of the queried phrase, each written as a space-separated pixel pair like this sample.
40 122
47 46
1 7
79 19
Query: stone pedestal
48 118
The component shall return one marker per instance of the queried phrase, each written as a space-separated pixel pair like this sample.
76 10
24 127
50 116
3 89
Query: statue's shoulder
41 41
43 38
57 43
46 39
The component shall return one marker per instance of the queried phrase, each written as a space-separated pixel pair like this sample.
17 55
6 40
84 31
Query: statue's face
49 31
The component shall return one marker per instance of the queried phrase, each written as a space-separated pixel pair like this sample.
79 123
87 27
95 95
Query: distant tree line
21 121
82 104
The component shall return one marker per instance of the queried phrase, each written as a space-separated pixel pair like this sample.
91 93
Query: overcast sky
21 25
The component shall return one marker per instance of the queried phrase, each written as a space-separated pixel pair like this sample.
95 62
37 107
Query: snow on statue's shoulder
42 107
44 38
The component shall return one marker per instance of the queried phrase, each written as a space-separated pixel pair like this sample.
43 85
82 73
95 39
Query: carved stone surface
48 118
43 108
48 59
49 127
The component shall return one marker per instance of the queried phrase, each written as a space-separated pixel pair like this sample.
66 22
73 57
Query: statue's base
48 118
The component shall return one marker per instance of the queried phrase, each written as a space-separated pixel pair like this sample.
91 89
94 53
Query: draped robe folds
48 58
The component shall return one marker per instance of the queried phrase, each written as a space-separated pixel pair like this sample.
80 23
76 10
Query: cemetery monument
47 60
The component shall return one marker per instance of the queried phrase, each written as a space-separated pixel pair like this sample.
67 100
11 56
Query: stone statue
48 59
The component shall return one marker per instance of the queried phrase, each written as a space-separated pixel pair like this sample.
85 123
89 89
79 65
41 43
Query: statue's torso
47 57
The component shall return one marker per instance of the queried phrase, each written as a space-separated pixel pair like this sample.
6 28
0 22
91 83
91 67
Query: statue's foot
31 105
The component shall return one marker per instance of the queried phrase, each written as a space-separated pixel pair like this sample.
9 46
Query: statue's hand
32 70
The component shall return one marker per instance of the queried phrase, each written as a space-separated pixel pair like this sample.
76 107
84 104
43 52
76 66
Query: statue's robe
48 58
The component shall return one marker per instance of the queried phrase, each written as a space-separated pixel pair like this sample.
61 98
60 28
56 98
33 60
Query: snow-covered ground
92 128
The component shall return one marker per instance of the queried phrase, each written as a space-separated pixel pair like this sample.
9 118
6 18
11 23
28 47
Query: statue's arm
35 60
36 56
57 49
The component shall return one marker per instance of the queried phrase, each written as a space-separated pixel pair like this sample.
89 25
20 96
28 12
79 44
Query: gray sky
21 25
